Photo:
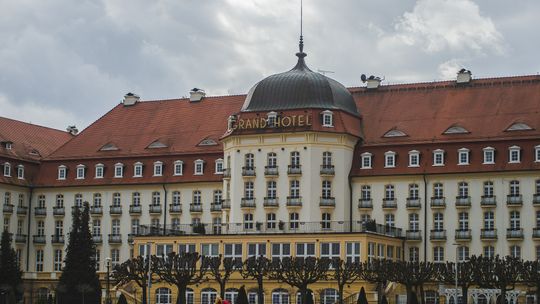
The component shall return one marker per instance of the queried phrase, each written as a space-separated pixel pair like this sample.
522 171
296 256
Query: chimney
130 99
463 76
72 130
196 95
373 82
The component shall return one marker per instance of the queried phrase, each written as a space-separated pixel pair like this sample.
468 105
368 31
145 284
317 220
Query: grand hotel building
295 167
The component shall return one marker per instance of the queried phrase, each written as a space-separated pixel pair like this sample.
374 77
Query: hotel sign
302 120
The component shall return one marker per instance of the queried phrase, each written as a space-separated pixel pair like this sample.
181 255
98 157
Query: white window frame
20 172
487 151
178 168
199 167
412 155
138 169
7 169
219 166
511 151
158 168
367 160
327 114
119 170
99 171
465 153
80 171
62 172
390 159
353 251
537 153
436 153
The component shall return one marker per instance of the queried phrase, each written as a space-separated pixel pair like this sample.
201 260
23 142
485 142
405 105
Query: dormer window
7 145
394 133
390 159
219 166
137 169
366 160
327 119
118 170
178 167
271 119
7 169
158 168
438 157
489 155
456 129
62 172
100 169
537 154
463 156
414 158
80 171
514 155
199 167
519 126
20 172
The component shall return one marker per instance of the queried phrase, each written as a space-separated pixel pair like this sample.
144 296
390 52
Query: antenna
324 72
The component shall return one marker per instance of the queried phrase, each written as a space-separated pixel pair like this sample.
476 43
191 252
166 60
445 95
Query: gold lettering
277 124
248 124
240 124
286 121
255 123
308 120
294 120
300 120
262 122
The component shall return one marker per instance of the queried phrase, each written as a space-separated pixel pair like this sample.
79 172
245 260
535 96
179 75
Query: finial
301 53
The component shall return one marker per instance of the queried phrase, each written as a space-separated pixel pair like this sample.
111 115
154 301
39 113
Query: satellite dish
363 77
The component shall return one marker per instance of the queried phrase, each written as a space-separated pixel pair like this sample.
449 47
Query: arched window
208 296
279 296
329 296
431 297
190 296
163 296
231 294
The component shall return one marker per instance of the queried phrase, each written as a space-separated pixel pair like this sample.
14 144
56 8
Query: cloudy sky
68 62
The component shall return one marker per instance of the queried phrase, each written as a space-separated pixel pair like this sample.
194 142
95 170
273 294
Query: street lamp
108 293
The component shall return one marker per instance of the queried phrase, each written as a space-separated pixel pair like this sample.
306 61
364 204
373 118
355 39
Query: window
330 251
537 219
366 160
366 192
97 200
488 189
280 296
414 253
515 220
231 295
41 201
96 227
248 190
78 200
210 249
40 228
115 257
438 157
20 172
39 260
249 161
7 170
389 193
515 251
178 167
158 168
537 154
199 167
438 221
138 169
256 250
463 253
162 250
118 170
136 199
327 159
62 172
60 201
463 221
271 221
326 221
414 222
163 296
271 189
352 252
294 218
489 220
59 228
219 166
156 198
115 227
371 251
271 119
100 168
389 159
438 190
438 254
463 156
57 260
116 199
304 250
294 191
489 251
414 158
514 188
295 159
489 155
234 251
514 155
80 171
280 251
196 197
176 198
327 118
248 221
271 160
326 189
184 248
463 190
413 191
389 220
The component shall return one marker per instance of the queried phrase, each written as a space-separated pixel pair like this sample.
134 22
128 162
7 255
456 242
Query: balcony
438 202
271 171
22 210
135 209
514 200
438 235
327 201
488 201
175 208
96 210
514 233
271 202
248 171
328 170
154 209
20 238
8 208
195 208
389 203
413 235
227 173
115 210
488 234
57 239
365 203
215 207
463 235
463 201
536 199
226 204
536 233
40 239
97 238
115 239
294 170
59 211
247 203
294 201
40 211
413 203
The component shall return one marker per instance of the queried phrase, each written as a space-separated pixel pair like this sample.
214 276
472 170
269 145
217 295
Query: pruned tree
345 273
412 275
10 272
377 271
220 270
531 276
134 270
182 270
300 273
258 269
465 275
499 273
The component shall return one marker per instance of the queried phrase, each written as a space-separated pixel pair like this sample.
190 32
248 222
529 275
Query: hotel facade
295 167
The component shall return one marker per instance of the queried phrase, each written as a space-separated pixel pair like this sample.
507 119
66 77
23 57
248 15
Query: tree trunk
422 296
409 294
340 293
143 301
260 291
181 299
464 295
538 292
222 289
303 294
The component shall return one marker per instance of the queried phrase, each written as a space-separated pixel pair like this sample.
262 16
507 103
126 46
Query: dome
299 88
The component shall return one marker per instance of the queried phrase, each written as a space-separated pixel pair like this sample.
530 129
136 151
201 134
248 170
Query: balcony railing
96 210
20 238
438 202
226 204
536 233
227 173
389 203
413 203
22 210
247 202
40 211
294 170
514 233
294 201
488 201
514 200
327 202
413 235
463 234
195 208
116 210
463 202
272 202
7 208
437 235
248 171
57 239
135 209
215 207
271 171
40 239
488 234
175 208
115 238
328 170
365 203
97 238
536 199
281 228
59 211
154 209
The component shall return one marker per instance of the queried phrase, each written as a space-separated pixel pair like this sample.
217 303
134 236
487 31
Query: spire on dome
301 53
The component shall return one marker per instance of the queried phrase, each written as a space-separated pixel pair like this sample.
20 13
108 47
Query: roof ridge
33 124
187 98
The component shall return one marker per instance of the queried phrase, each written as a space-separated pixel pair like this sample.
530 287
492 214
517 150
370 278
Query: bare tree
221 270
498 273
531 276
257 268
345 273
447 274
413 275
133 270
377 272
